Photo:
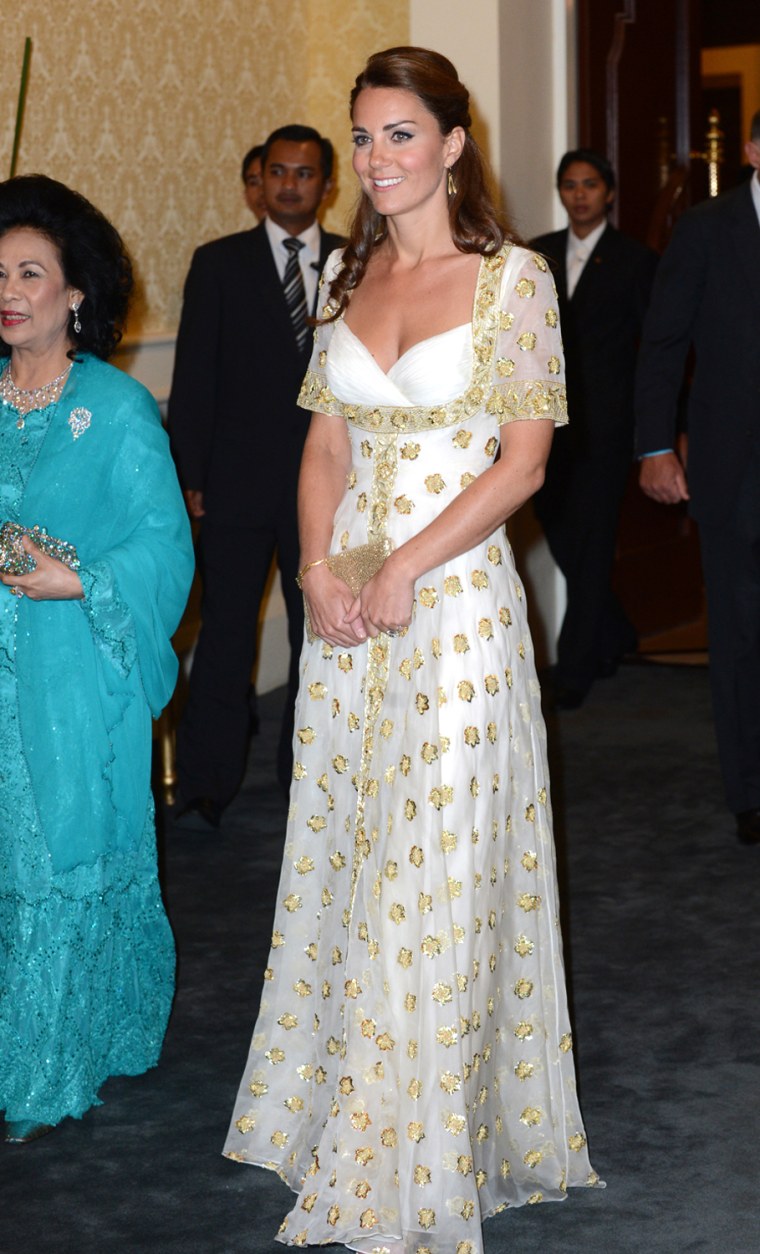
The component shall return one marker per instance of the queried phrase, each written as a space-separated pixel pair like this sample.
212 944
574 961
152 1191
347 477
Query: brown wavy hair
476 224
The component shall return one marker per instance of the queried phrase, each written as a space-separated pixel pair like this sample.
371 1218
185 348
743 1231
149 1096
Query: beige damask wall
147 107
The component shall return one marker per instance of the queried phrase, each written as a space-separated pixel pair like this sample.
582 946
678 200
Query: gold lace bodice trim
507 401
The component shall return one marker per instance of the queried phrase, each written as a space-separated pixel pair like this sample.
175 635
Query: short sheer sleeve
528 365
315 395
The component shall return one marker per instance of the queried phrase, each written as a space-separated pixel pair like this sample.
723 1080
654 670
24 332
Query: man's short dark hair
590 157
296 134
754 128
250 157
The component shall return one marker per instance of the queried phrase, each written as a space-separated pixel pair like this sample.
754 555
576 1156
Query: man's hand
194 502
664 479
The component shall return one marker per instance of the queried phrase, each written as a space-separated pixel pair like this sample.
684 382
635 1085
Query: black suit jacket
707 293
601 324
237 433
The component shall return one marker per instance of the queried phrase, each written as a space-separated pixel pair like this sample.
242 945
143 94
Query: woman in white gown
411 1069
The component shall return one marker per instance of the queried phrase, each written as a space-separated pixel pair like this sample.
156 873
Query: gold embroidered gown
411 1069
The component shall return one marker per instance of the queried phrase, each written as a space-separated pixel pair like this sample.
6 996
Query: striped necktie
295 293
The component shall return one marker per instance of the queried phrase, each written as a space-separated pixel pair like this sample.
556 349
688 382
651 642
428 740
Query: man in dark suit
237 433
707 295
603 280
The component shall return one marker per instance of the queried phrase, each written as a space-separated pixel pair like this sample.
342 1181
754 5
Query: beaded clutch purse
14 559
355 567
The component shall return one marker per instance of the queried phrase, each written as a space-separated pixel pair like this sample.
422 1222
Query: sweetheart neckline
428 340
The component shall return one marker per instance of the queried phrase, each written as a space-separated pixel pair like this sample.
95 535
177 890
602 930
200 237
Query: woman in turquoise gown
86 952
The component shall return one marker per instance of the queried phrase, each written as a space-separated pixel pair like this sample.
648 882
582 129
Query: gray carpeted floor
662 930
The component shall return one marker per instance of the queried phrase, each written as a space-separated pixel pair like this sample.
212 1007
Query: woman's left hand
50 581
385 603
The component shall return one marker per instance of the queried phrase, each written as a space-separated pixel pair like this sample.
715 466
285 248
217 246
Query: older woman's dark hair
476 224
93 257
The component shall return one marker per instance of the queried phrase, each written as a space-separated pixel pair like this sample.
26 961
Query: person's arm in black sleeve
192 400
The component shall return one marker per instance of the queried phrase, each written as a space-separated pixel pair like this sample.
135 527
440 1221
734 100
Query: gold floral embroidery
488 320
527 399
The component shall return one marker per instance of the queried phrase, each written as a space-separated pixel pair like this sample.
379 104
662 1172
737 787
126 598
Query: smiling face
294 184
400 155
35 299
585 196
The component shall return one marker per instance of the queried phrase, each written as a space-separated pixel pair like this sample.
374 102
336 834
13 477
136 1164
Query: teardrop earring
451 186
77 323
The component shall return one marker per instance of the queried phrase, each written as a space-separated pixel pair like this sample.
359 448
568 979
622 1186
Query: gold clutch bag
355 567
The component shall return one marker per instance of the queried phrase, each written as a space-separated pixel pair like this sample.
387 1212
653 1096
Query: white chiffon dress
411 1069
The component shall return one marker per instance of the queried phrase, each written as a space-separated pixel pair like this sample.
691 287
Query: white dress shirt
756 193
578 253
308 257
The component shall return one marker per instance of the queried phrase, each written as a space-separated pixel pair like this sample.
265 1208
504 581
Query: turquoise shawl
90 673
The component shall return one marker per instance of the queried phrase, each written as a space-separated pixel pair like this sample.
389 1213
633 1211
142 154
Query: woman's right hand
329 600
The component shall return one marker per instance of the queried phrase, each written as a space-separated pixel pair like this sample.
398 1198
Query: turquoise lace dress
86 951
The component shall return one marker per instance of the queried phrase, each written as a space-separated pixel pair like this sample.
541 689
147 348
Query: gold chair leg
167 746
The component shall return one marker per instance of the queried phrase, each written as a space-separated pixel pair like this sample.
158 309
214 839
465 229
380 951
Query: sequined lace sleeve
528 367
315 395
109 618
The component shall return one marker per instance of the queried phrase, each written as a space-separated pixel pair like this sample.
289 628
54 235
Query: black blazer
236 431
707 293
601 324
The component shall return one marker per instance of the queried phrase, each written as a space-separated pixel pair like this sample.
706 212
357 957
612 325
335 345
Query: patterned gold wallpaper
148 106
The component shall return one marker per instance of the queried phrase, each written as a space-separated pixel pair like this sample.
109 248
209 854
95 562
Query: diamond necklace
26 399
